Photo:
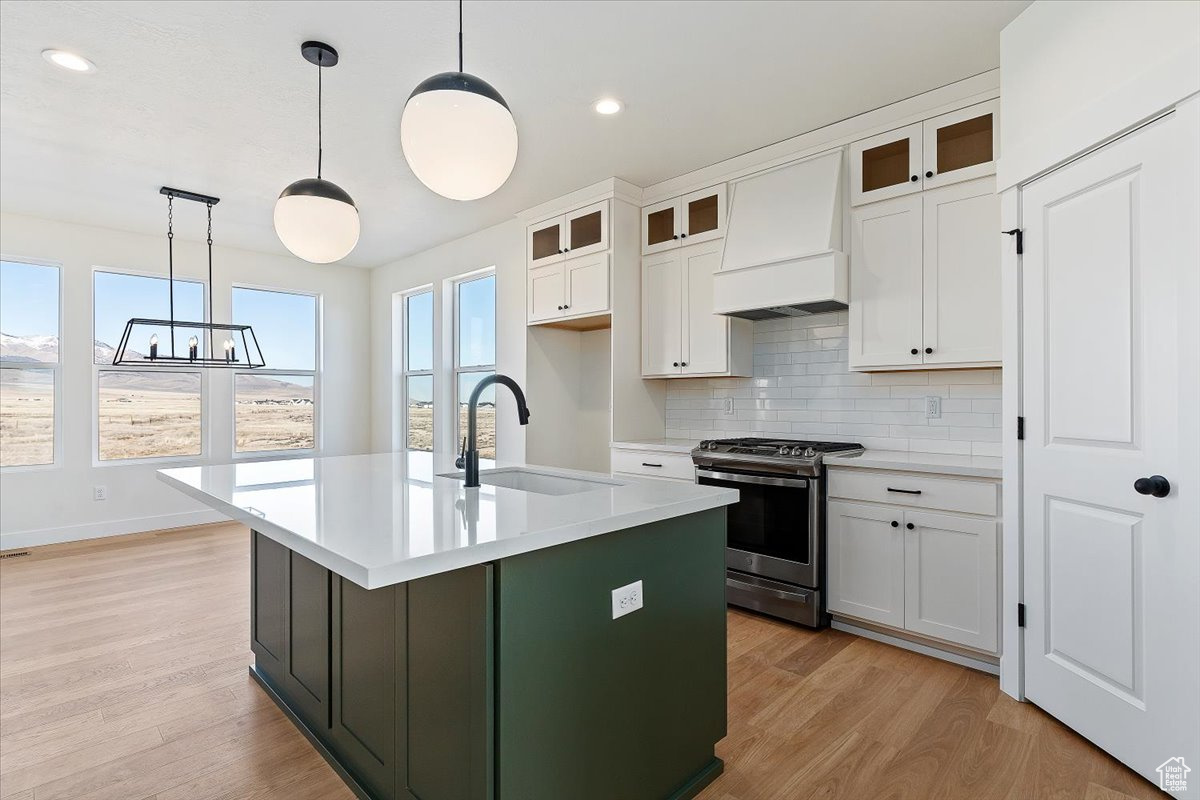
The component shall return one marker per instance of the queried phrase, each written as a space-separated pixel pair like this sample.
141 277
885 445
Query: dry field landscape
420 428
26 417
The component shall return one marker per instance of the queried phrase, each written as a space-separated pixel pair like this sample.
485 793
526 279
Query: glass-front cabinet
695 217
580 233
957 146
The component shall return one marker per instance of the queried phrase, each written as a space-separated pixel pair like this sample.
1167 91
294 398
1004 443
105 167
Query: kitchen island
439 642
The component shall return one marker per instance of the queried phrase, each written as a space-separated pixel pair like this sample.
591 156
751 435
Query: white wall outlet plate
627 599
933 408
99 492
728 405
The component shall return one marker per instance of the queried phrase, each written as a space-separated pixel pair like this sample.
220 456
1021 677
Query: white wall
803 389
502 247
44 505
1073 74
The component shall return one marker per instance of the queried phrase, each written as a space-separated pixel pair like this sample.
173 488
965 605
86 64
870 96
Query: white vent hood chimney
783 247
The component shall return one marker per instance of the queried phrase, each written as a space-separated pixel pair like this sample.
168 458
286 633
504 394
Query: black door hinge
1020 615
1020 428
1020 234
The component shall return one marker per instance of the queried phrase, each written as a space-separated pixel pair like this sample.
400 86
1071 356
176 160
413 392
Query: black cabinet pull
560 252
915 351
929 173
560 308
910 526
928 350
648 464
683 363
674 363
567 250
683 236
676 236
1155 485
895 524
904 491
565 308
914 179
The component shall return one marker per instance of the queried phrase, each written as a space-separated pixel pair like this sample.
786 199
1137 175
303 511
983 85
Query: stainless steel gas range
775 550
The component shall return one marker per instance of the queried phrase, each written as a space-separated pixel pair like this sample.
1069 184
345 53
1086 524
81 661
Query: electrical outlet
627 599
99 492
933 408
728 405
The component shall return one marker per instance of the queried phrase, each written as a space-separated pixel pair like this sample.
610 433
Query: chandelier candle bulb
228 349
154 345
193 344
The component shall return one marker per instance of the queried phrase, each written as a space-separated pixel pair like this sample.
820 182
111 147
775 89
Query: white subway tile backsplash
802 388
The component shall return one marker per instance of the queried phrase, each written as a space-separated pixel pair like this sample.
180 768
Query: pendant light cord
210 278
319 89
171 266
460 54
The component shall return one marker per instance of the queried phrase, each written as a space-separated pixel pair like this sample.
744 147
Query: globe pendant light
458 134
315 219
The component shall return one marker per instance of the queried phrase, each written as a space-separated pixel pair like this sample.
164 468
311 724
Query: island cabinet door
291 631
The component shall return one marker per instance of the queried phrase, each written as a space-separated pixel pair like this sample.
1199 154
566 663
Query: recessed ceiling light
608 105
68 60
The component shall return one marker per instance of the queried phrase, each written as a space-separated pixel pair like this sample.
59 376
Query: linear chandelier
239 346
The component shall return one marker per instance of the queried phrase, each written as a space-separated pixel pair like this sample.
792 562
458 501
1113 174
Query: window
475 356
29 363
146 413
418 370
274 408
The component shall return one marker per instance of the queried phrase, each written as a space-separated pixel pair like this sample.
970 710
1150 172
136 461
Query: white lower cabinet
932 574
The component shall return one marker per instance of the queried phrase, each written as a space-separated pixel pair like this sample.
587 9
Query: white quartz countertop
664 445
971 466
387 518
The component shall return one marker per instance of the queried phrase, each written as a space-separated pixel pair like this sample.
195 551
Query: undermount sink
536 482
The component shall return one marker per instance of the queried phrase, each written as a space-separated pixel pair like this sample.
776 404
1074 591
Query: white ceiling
215 97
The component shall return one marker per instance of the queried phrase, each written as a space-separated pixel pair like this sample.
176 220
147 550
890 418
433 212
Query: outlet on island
626 599
99 492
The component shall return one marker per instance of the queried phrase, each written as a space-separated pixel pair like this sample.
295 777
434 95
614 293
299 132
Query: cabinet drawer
654 463
915 491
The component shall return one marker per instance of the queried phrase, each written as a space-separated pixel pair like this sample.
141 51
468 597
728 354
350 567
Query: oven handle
738 477
776 593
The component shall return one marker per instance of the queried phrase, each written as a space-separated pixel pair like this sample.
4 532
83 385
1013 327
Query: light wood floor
123 675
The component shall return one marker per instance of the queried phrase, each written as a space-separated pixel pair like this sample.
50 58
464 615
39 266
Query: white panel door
962 274
1112 644
587 285
705 335
950 578
886 284
866 562
662 314
546 292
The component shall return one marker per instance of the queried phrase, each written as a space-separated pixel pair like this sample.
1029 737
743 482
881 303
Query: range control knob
712 445
785 450
704 445
810 453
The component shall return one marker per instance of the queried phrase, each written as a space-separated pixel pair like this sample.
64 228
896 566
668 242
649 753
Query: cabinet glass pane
420 412
885 165
964 144
660 226
545 242
585 230
702 215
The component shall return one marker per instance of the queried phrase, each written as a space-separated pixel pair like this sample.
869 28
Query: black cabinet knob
676 236
928 350
915 351
914 178
683 363
929 173
1155 485
560 308
560 252
683 236
567 250
675 363
910 526
895 524
565 308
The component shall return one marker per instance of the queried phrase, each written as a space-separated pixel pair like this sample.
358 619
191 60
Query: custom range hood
783 247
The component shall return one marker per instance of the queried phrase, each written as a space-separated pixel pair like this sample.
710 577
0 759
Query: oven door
773 529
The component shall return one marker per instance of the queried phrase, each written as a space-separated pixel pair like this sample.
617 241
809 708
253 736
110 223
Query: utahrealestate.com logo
1172 775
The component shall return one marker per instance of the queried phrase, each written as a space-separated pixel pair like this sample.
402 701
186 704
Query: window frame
314 374
456 370
406 372
56 369
205 388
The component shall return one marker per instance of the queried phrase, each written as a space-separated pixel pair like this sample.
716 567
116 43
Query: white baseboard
991 666
18 540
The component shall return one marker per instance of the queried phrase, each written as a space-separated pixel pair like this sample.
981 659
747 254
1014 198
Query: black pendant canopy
239 346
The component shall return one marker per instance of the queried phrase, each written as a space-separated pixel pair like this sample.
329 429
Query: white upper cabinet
887 165
958 146
886 284
568 271
681 336
961 145
696 217
925 280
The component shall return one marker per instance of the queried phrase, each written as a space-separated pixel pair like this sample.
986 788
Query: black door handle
1155 485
